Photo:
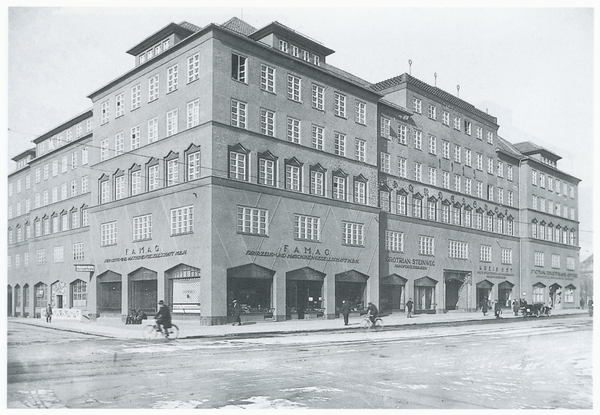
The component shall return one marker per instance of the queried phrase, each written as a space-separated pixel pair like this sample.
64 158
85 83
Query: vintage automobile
536 309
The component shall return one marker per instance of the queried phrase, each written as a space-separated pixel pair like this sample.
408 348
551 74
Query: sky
532 68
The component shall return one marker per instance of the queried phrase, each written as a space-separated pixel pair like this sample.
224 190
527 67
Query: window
84 156
468 127
385 127
490 165
283 46
432 145
38 175
417 105
84 184
417 207
457 153
153 183
135 137
418 169
555 261
193 68
172 78
63 194
136 96
479 133
238 113
394 241
173 123
84 217
142 228
418 140
468 182
485 253
64 168
339 144
384 200
534 177
292 177
267 122
479 162
445 180
402 134
318 97
104 191
55 168
432 210
306 55
490 223
360 191
551 183
193 166
500 170
509 172
108 234
153 88
432 176
446 149
339 108
501 196
295 51
401 202
119 187
446 118
182 220
237 165
79 130
152 130
267 78
119 143
339 187
426 245
293 88
252 221
385 162
569 294
104 114
119 108
293 130
238 68
570 263
103 149
193 114
79 290
360 149
352 233
136 182
59 254
432 112
457 123
457 181
507 256
307 228
539 259
542 180
316 60
361 112
317 137
266 171
172 172
458 249
40 256
490 137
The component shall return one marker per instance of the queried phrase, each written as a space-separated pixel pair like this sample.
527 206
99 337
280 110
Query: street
543 363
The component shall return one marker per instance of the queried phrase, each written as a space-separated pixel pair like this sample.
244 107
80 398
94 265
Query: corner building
235 163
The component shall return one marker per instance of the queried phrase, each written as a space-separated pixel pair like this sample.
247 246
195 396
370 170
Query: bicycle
152 331
367 324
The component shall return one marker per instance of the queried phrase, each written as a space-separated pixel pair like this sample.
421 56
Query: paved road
540 363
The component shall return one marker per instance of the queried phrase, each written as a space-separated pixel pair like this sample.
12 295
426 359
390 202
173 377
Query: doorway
456 290
484 293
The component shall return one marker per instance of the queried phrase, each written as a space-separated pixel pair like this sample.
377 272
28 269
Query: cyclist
372 312
163 317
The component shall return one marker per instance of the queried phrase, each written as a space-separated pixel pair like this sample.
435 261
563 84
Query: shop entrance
456 290
484 293
351 286
108 289
143 290
41 299
392 293
425 295
251 285
555 299
505 294
304 293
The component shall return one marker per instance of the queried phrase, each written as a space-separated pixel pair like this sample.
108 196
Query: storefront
456 290
304 293
351 286
425 301
251 285
392 293
109 287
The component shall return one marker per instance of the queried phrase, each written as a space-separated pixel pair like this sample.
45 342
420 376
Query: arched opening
108 289
351 286
392 293
304 294
251 285
143 290
183 291
425 301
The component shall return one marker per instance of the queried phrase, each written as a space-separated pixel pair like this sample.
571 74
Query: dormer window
283 46
306 55
316 60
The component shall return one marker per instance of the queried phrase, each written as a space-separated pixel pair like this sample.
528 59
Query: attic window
155 50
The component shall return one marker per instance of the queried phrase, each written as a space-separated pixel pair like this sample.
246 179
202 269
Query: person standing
497 310
409 308
515 307
49 313
581 303
237 311
484 306
345 310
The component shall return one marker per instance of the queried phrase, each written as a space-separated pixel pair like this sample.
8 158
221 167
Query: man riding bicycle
163 317
372 312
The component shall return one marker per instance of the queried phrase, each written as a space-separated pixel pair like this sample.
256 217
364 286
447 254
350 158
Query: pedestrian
409 308
49 313
484 306
497 310
581 303
515 307
345 311
237 313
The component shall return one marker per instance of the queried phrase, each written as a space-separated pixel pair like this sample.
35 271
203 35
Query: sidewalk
115 328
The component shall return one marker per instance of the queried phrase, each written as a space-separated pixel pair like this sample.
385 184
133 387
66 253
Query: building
235 163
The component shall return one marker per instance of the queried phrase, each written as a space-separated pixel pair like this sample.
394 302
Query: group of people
372 311
485 307
135 316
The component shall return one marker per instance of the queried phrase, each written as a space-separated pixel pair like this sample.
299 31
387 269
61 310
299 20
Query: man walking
409 307
345 311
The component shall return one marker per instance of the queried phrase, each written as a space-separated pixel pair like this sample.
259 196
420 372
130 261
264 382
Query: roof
75 120
239 26
292 35
527 148
440 93
507 148
24 154
341 73
184 29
